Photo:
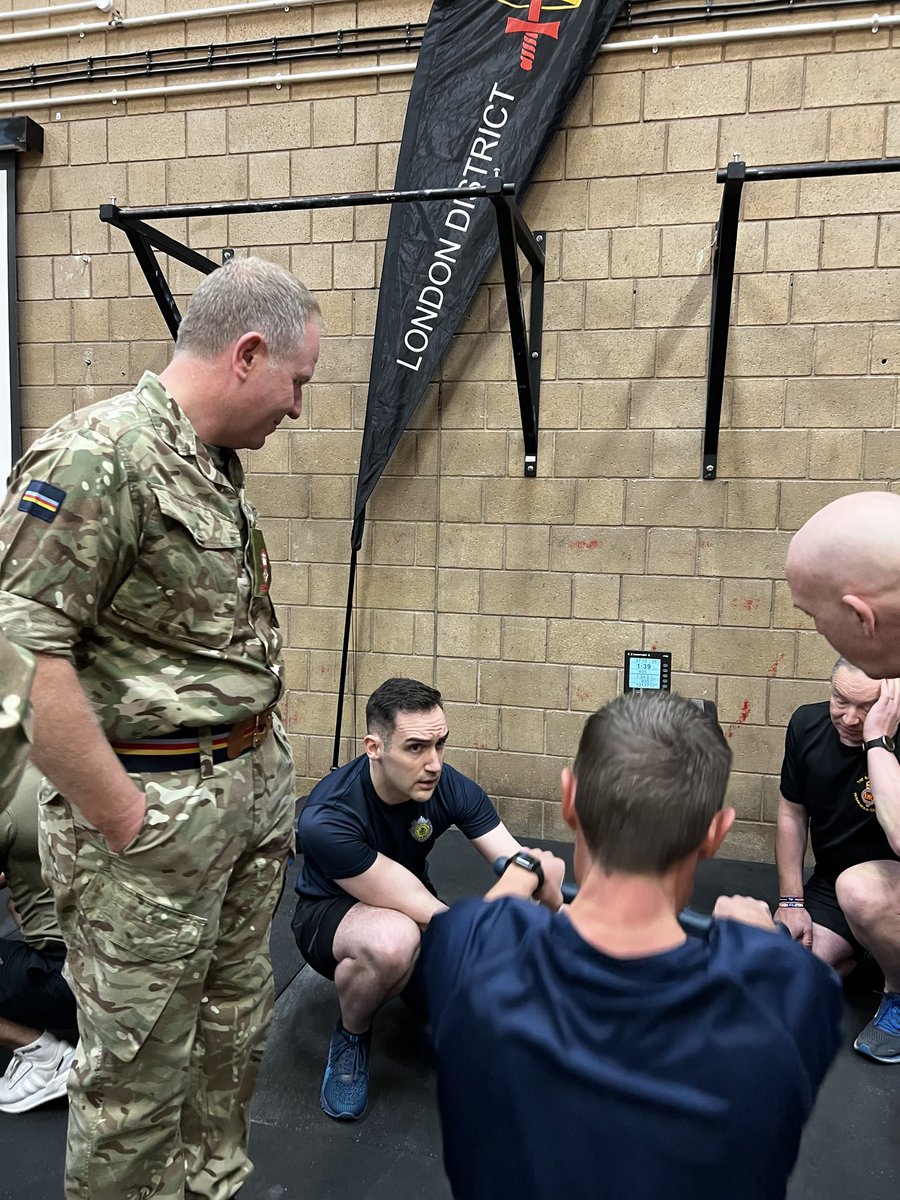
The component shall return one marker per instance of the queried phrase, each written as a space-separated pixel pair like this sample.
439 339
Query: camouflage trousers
168 959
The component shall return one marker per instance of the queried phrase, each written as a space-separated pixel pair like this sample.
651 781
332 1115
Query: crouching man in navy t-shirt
364 891
596 1050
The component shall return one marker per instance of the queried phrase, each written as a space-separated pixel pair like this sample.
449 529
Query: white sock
43 1049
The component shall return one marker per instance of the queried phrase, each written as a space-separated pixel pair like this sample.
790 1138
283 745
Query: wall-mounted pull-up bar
733 177
512 230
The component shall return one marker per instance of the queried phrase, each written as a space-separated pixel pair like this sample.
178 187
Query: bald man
843 569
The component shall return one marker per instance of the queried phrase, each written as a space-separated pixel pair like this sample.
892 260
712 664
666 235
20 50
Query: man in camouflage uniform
16 671
129 554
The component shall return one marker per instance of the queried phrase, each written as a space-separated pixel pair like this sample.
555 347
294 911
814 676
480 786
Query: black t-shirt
345 825
831 781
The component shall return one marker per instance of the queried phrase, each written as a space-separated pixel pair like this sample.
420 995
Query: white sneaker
36 1073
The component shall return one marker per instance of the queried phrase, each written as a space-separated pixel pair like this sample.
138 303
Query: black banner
493 82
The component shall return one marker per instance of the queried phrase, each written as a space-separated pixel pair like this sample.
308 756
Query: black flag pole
345 653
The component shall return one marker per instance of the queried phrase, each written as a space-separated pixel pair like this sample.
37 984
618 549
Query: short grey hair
243 296
845 662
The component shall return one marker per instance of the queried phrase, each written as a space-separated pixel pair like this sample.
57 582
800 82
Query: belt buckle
249 734
260 729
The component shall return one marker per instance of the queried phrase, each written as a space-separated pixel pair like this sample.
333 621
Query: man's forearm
513 883
388 884
884 776
790 848
71 750
882 766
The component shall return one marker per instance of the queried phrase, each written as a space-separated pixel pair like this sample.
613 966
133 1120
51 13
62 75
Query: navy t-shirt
831 781
564 1072
345 825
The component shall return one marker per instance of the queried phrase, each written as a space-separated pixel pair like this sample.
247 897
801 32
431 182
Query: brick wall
519 597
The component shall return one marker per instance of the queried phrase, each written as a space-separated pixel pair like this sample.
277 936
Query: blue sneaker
881 1037
345 1088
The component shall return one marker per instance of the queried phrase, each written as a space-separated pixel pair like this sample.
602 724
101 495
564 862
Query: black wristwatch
528 863
885 742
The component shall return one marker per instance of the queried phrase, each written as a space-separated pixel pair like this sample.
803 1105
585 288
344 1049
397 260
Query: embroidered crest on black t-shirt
865 797
421 829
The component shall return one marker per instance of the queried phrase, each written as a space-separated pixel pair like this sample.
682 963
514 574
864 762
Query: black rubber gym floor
851 1149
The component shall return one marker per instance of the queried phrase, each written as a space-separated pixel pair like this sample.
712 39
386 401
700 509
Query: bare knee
862 895
392 960
388 949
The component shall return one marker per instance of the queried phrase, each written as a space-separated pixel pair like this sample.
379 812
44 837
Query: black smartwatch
885 742
528 863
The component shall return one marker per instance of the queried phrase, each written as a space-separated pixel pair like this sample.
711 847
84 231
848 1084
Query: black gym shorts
821 902
315 923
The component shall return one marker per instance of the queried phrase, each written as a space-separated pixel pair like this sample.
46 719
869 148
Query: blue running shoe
345 1088
881 1037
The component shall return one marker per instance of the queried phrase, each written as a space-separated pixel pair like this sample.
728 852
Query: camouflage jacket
127 545
16 671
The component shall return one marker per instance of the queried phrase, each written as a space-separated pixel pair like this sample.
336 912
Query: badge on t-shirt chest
421 829
864 796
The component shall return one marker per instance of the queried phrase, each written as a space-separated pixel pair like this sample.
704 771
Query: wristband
791 902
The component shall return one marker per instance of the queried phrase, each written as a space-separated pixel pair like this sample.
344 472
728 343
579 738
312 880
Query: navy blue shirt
831 781
564 1072
345 825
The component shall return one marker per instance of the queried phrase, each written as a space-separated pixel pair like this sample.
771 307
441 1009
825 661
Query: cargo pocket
128 956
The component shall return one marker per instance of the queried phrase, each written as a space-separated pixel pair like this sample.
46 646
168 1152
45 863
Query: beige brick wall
519 597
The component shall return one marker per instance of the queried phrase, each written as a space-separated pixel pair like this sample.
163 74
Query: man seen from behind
598 1046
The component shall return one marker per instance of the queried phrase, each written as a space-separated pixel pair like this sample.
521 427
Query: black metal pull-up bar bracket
734 177
722 284
512 230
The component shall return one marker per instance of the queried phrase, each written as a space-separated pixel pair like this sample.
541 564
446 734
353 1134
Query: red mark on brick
773 670
653 646
705 543
749 603
742 717
582 544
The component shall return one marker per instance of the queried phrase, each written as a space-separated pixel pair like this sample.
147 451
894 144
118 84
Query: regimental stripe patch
42 500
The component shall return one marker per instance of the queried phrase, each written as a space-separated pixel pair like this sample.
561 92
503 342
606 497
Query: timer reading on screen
647 670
